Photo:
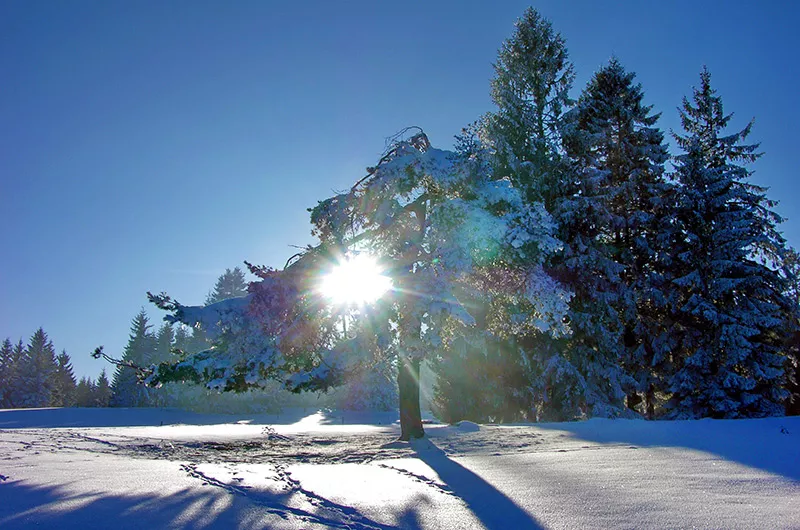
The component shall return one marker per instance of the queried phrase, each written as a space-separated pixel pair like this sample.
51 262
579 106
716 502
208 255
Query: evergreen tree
7 373
231 284
520 141
102 391
442 225
37 372
84 393
15 393
791 269
140 351
64 382
609 220
729 304
533 76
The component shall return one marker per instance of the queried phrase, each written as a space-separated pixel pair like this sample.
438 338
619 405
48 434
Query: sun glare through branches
356 280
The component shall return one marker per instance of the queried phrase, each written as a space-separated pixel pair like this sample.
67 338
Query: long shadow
487 503
769 444
26 506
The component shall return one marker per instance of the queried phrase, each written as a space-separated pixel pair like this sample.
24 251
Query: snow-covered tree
729 302
232 284
140 351
610 219
791 271
441 227
533 76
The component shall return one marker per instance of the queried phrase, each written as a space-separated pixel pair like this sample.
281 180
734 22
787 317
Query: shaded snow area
151 468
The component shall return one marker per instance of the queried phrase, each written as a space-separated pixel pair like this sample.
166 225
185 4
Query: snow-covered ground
151 468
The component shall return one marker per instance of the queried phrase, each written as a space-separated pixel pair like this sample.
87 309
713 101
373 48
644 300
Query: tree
140 351
520 141
232 284
102 392
64 384
791 271
533 76
85 392
610 219
37 372
7 373
440 226
729 304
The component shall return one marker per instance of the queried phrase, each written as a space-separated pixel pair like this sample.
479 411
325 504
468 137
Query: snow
139 468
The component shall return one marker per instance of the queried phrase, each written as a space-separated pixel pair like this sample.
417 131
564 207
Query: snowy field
152 468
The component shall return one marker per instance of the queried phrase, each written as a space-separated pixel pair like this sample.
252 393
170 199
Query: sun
356 280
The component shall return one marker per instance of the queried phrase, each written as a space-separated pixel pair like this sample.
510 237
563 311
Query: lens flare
357 280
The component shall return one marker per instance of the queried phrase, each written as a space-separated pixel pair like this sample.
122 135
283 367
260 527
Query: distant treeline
33 375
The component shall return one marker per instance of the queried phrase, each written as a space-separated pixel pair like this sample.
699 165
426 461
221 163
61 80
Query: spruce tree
140 351
791 271
229 285
609 218
102 393
729 303
64 382
37 372
84 393
533 76
7 373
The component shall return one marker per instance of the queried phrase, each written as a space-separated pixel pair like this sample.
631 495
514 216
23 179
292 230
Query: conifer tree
84 393
64 384
610 220
231 284
729 303
102 393
7 373
443 228
37 372
791 271
140 351
15 391
533 76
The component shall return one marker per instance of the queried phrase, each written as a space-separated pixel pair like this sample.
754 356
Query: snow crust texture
328 469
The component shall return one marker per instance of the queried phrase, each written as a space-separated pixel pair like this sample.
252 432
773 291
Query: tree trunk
408 385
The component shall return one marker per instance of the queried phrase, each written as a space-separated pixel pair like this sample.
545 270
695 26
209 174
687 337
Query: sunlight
356 280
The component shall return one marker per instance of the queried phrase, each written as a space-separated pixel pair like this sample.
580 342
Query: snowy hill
139 468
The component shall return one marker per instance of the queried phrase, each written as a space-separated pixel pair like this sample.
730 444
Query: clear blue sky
150 145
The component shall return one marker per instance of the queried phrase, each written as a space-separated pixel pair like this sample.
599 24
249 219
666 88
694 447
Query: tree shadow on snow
491 506
26 506
769 444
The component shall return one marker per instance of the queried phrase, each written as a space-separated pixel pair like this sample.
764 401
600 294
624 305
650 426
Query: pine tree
64 382
533 76
102 394
37 372
230 285
610 220
729 304
140 351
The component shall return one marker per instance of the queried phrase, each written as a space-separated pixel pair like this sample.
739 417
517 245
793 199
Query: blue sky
150 145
